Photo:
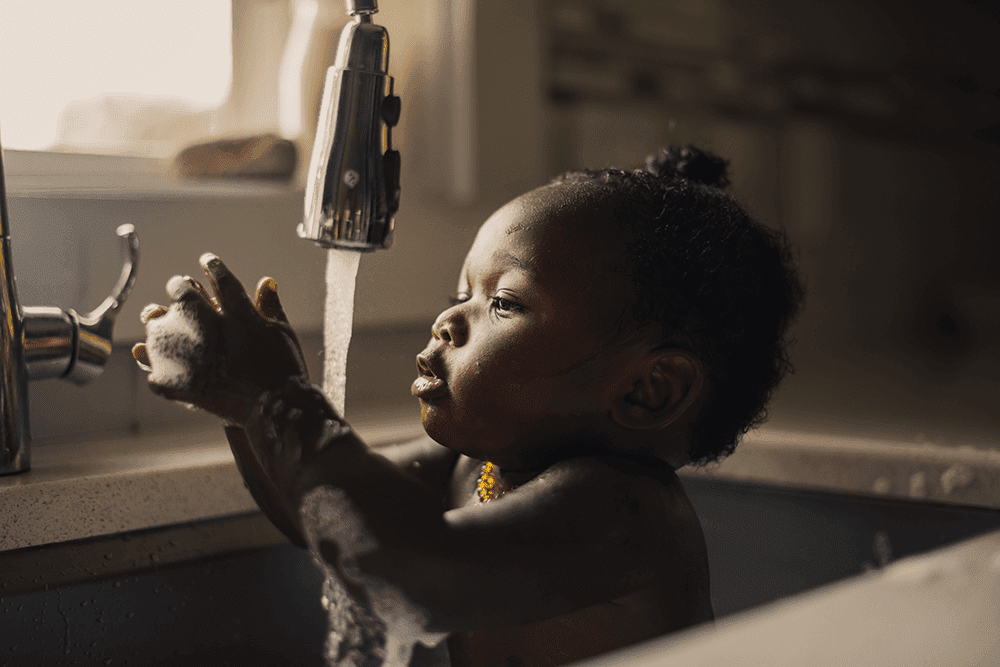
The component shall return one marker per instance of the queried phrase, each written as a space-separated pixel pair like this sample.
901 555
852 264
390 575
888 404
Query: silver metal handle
95 329
106 313
64 344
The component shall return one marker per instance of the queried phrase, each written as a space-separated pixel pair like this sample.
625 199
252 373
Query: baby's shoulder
643 487
618 493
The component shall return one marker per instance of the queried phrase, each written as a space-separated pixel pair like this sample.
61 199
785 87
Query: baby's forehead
554 231
564 198
555 207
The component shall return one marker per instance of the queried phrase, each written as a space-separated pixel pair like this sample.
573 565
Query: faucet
352 188
39 342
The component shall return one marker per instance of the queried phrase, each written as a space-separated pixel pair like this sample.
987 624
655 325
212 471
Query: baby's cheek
175 343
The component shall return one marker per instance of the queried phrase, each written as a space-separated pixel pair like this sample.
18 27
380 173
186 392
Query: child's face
520 370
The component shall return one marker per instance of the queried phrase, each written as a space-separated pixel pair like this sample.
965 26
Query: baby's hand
219 354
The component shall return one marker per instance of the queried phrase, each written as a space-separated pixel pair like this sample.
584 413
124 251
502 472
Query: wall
866 130
65 252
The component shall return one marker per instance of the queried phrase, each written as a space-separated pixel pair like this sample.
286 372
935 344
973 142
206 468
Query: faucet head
362 7
352 192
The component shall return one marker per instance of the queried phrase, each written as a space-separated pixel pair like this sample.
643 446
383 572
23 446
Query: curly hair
716 281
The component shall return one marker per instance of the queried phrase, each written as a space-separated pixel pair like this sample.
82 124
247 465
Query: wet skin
519 371
596 547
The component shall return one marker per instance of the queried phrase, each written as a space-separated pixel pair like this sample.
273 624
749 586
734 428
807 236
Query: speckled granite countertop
98 487
104 486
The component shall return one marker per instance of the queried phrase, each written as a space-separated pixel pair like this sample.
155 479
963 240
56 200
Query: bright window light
111 76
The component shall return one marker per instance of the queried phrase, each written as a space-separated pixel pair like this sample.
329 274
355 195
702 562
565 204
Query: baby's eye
502 305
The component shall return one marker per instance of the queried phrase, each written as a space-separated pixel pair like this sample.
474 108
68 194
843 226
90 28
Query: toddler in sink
608 328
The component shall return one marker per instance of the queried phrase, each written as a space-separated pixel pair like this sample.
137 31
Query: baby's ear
667 383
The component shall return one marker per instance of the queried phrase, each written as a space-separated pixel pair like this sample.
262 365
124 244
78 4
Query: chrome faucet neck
15 433
46 342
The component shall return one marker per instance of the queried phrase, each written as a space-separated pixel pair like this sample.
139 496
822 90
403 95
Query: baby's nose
450 328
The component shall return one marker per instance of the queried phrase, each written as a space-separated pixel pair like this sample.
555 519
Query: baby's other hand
219 354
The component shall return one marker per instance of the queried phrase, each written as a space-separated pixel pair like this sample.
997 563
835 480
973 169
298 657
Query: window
126 77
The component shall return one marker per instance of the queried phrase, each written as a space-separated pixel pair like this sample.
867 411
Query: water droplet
882 485
109 556
84 603
957 477
882 548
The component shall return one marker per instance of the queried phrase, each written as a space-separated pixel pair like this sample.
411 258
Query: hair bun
689 163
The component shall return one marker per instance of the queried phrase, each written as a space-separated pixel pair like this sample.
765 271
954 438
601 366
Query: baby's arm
227 355
585 531
582 532
431 463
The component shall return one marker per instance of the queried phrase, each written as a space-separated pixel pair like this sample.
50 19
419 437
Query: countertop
90 488
101 486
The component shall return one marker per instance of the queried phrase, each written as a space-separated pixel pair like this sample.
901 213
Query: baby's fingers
267 302
185 289
231 295
141 355
151 312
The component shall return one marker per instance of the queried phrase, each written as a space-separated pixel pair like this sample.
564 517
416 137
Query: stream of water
341 276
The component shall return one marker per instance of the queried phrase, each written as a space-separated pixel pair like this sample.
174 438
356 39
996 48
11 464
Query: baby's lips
427 366
423 367
431 383
429 387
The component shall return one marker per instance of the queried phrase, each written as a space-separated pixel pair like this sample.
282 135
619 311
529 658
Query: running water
381 629
341 275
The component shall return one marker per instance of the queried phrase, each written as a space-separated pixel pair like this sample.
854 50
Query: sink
232 591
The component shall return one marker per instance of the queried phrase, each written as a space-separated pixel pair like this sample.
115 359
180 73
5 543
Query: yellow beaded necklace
489 486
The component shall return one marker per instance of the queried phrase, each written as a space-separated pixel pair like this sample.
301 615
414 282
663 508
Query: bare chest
572 637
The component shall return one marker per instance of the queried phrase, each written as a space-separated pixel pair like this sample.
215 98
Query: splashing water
341 275
380 628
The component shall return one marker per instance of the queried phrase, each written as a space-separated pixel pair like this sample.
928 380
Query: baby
608 328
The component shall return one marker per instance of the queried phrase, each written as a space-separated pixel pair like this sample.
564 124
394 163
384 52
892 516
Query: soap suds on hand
175 343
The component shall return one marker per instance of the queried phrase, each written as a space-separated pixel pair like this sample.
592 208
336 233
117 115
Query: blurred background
867 130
